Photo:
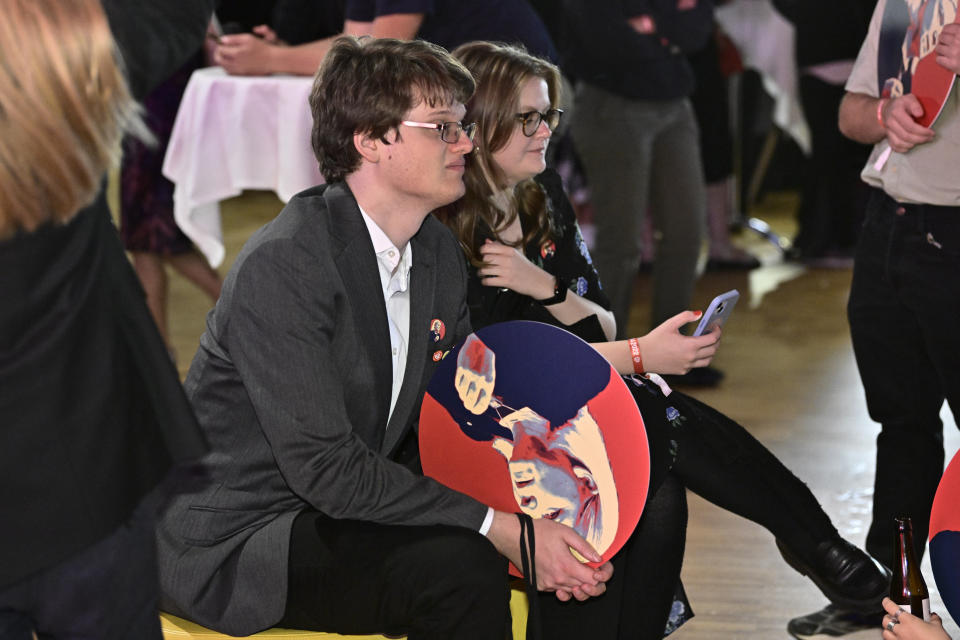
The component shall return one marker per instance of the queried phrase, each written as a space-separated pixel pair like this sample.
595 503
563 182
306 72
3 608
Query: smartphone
717 313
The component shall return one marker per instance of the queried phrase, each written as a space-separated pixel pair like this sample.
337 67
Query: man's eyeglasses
449 131
531 120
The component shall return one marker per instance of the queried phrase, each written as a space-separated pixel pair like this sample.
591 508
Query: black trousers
719 460
700 449
109 591
646 575
723 463
429 583
903 310
834 197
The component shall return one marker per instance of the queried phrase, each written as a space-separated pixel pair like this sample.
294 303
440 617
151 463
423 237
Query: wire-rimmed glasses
449 131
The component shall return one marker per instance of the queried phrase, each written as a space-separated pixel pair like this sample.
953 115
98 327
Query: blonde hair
64 107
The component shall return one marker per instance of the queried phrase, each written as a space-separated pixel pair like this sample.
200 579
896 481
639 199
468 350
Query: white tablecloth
766 43
234 133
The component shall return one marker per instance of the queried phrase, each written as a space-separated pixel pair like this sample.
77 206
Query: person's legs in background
151 271
614 138
147 225
834 198
153 278
195 268
904 288
678 203
678 206
711 104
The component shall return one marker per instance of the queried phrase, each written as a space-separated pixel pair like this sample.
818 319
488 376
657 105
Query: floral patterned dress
568 258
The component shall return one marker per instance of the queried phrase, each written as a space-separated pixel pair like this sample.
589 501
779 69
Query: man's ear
368 147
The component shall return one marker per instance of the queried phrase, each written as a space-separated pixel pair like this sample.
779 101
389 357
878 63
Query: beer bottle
907 587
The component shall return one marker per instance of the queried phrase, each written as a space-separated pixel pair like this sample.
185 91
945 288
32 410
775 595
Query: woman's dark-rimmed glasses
531 120
449 131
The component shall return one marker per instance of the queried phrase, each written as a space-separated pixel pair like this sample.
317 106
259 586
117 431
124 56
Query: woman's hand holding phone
667 351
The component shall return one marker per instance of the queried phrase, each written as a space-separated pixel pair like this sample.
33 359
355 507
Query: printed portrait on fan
548 438
909 33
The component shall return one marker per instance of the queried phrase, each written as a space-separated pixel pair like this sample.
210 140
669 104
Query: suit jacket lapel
423 281
357 264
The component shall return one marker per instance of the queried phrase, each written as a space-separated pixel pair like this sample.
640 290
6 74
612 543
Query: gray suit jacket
291 385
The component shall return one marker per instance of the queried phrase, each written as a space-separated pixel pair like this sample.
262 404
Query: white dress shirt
394 266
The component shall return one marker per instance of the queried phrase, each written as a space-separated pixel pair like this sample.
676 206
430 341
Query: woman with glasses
527 260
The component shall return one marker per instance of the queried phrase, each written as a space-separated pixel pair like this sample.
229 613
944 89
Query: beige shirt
928 173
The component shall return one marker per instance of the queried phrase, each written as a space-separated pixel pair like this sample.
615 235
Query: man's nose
464 144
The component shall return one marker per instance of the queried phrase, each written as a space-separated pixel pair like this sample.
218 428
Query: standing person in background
448 23
147 226
834 198
905 284
92 414
711 104
637 137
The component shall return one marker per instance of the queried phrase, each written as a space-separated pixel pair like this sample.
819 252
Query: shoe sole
860 606
861 634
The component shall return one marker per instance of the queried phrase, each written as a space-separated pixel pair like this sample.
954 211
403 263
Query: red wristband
635 355
880 105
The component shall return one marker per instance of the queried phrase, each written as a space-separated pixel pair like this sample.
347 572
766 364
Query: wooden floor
790 378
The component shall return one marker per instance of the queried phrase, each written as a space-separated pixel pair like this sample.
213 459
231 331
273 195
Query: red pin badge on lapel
437 329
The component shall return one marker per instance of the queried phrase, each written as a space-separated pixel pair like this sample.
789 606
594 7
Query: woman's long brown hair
500 72
64 107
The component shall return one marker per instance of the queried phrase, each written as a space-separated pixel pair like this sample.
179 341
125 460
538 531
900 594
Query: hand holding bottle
905 626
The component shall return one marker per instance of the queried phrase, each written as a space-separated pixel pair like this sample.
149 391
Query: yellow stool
175 628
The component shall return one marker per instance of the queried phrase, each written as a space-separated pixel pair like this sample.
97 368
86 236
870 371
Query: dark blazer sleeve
155 37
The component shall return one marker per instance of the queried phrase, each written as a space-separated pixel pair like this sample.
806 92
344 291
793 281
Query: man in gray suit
308 381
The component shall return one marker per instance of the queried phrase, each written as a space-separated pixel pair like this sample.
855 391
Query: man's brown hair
368 85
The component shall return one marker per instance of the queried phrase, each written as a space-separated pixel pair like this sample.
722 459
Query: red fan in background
945 537
912 67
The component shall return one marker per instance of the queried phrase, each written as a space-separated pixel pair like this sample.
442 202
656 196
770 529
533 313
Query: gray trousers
640 156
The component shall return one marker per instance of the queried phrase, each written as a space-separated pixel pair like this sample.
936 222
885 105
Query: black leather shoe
849 577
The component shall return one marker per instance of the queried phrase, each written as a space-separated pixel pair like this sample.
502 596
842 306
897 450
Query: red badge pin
548 250
437 356
437 330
